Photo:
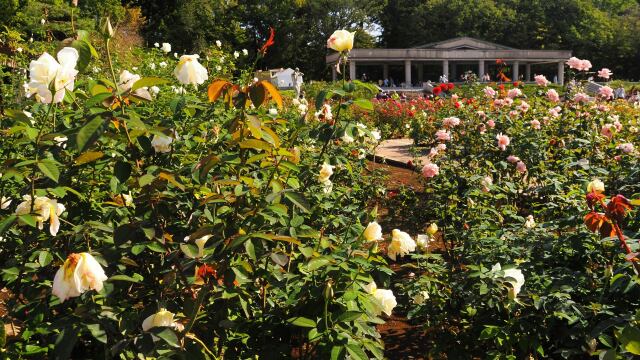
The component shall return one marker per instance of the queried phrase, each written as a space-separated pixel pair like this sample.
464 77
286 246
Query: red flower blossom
269 43
437 90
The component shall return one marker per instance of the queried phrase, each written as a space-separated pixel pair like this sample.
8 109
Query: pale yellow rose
341 40
79 273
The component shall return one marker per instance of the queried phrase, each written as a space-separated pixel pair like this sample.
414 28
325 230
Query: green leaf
50 169
122 170
97 99
255 144
364 104
348 316
97 332
84 52
298 200
607 355
302 322
317 263
89 133
257 95
65 342
320 99
6 222
148 82
630 339
168 335
135 279
44 258
356 352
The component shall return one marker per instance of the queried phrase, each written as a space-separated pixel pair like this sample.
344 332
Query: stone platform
398 152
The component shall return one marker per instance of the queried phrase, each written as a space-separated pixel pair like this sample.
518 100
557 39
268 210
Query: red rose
450 86
437 90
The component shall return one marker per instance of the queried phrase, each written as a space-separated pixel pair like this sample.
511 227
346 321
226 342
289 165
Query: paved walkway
399 152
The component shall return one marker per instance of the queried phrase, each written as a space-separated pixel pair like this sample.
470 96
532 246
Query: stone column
334 74
407 73
516 70
480 69
420 74
527 72
352 70
385 71
454 72
445 68
561 72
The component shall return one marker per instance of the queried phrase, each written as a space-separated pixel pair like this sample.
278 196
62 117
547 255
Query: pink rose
617 125
535 124
491 123
626 148
581 98
524 106
555 112
514 93
513 113
574 63
605 73
553 96
498 103
481 114
541 80
606 92
513 159
508 101
443 135
580 65
586 65
430 170
521 167
441 147
503 141
483 128
454 97
607 131
489 92
450 122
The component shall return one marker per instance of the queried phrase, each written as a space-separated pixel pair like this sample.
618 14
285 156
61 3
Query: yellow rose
595 186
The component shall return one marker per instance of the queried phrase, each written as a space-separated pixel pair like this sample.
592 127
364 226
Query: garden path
399 152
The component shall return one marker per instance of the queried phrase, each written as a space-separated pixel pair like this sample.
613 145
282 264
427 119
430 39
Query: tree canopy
604 31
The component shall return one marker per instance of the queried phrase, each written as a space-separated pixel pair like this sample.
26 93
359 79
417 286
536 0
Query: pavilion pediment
464 43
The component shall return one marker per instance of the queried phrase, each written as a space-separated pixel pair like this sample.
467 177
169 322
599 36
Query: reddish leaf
273 92
216 88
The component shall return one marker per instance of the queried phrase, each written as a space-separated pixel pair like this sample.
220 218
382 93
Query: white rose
161 143
373 232
420 297
401 244
166 47
385 300
516 279
156 45
530 223
422 240
189 70
218 43
46 74
154 90
347 139
236 54
325 172
126 82
163 64
152 66
45 208
341 40
79 273
245 52
375 134
4 201
200 242
162 318
273 111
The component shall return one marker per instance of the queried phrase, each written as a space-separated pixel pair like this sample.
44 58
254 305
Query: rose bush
170 209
